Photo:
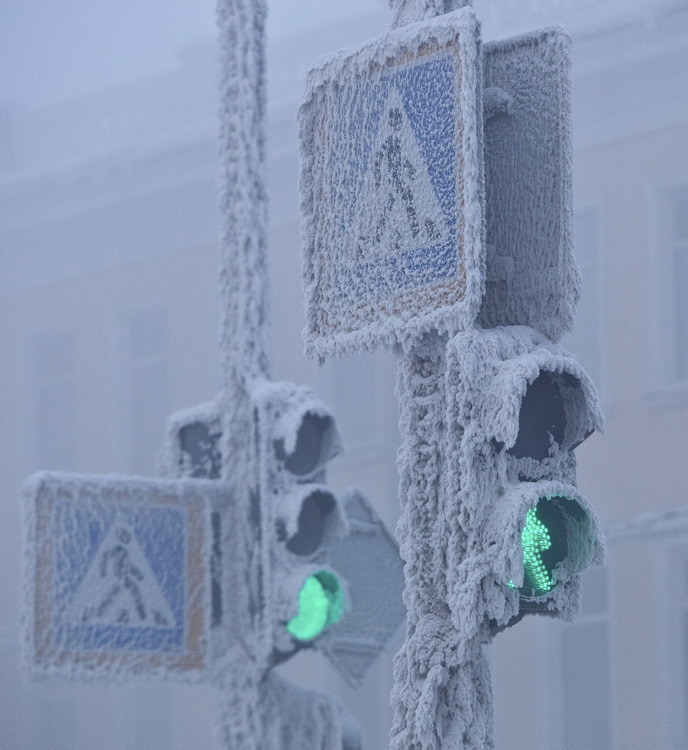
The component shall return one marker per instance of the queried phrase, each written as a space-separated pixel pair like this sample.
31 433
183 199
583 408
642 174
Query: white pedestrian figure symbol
123 583
132 596
398 208
399 174
127 577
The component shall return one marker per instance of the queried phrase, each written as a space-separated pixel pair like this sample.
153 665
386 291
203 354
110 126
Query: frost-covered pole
442 695
244 337
259 711
243 271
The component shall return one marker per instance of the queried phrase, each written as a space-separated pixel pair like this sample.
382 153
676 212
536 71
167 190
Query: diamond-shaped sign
368 559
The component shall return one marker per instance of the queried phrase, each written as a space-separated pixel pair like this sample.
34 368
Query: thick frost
408 11
441 696
464 501
531 275
243 285
490 490
390 144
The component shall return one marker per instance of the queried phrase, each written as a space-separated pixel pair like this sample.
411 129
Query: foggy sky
52 51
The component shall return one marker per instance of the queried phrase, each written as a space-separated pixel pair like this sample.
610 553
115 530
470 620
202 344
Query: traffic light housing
297 436
303 526
518 406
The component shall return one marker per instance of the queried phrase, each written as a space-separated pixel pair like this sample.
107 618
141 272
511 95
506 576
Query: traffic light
296 516
192 444
324 572
518 406
307 528
297 437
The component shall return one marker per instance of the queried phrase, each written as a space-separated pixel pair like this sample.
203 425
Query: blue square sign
118 574
392 188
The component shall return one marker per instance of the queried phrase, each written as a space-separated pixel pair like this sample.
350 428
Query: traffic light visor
538 403
321 604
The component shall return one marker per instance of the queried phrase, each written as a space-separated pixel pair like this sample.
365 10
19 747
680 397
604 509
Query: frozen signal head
550 535
305 439
307 519
298 437
519 405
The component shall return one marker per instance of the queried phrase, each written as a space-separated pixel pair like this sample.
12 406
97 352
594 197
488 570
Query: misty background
110 311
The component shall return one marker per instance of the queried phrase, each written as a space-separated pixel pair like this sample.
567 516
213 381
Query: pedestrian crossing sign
392 188
118 574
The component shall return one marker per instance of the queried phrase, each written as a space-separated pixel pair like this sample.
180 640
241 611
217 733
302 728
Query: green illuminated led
535 539
544 546
321 604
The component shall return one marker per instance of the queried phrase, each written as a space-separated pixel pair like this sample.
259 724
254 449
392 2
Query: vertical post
442 694
244 357
243 202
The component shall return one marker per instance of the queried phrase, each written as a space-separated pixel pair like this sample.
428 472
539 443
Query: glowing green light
535 539
544 545
321 604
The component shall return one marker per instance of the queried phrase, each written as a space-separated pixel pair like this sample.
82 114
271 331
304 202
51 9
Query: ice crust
464 499
337 321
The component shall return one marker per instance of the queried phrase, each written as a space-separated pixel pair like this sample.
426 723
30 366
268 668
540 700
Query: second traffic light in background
298 436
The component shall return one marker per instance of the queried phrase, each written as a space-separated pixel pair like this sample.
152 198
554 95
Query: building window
677 205
53 369
148 387
585 341
585 670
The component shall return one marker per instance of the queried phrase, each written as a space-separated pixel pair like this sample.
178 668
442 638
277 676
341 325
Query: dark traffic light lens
542 419
545 545
313 441
316 512
321 604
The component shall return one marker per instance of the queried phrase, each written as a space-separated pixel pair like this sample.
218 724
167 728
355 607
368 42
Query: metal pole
243 203
442 695
244 356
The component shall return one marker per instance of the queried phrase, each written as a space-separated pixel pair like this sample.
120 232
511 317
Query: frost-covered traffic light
297 437
518 405
318 559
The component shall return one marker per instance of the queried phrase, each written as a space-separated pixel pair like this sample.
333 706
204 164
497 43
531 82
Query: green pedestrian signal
544 545
298 437
321 604
519 407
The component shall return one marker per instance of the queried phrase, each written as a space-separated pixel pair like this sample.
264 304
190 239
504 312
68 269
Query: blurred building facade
108 297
